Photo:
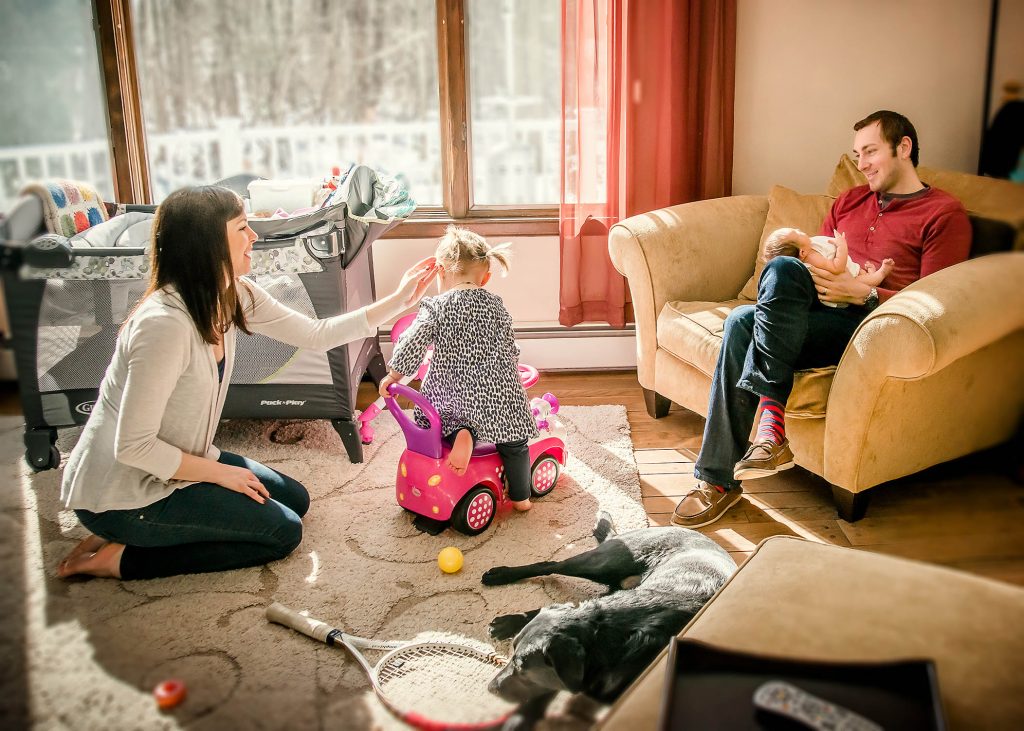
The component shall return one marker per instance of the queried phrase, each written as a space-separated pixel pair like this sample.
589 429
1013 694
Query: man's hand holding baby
842 287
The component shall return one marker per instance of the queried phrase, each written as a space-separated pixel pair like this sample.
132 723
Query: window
461 97
53 117
515 100
288 89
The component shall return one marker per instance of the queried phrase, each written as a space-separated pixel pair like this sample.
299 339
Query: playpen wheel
544 475
41 460
40 450
474 512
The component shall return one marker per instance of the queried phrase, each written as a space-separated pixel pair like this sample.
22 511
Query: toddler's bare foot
91 544
104 561
462 450
522 505
887 266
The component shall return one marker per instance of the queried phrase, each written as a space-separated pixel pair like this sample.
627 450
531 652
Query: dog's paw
497 576
506 626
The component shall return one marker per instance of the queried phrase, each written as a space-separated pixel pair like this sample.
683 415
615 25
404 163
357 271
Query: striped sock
772 427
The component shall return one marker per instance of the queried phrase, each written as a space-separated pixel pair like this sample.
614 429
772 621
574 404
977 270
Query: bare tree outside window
288 89
515 100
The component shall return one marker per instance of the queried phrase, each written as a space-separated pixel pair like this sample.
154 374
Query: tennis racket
429 685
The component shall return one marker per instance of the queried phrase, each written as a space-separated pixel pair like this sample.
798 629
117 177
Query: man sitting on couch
895 216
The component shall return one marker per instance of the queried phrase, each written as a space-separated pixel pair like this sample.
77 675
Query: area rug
85 654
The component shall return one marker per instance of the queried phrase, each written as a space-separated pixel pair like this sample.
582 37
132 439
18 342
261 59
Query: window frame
131 165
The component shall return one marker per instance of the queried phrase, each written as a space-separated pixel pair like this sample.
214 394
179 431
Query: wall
530 293
806 70
530 290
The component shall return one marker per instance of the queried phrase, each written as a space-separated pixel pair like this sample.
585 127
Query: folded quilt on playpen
69 206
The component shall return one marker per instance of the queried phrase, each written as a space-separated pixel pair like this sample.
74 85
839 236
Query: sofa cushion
1000 200
692 332
809 396
790 209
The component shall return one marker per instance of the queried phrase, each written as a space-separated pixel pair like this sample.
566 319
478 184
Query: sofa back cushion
999 200
787 208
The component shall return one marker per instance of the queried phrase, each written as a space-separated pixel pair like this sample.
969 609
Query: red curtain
647 117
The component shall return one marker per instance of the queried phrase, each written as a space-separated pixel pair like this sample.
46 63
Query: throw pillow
845 176
787 208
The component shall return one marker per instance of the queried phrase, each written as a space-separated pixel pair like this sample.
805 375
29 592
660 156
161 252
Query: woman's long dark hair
190 252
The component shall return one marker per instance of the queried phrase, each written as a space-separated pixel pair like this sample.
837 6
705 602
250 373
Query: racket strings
446 683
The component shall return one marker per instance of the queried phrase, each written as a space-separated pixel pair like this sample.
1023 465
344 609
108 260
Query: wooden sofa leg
657 405
851 505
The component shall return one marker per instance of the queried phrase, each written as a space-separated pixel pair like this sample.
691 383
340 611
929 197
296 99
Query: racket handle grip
288 617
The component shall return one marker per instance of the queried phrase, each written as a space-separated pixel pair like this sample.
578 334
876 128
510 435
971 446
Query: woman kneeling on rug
145 478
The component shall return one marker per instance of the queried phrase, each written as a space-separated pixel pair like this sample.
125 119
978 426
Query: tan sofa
797 599
932 374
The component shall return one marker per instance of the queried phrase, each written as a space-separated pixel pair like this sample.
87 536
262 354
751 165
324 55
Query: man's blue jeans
206 527
788 329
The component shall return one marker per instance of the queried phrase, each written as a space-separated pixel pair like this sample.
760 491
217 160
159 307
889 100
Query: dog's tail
605 527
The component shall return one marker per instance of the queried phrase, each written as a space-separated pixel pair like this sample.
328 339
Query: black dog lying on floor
602 645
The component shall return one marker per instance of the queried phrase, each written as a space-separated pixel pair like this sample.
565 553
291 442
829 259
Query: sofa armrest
914 336
700 251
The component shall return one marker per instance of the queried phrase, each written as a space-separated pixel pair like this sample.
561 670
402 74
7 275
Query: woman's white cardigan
161 396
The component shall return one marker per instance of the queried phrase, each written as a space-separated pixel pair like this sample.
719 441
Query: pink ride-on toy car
426 486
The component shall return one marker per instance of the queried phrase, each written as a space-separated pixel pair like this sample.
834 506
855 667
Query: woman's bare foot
104 561
462 450
522 505
91 544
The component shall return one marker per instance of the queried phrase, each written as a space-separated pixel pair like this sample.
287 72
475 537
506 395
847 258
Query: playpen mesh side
79 322
259 359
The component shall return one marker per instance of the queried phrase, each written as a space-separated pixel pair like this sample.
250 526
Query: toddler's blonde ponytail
461 248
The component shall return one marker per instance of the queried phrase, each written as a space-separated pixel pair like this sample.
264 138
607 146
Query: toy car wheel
544 475
474 512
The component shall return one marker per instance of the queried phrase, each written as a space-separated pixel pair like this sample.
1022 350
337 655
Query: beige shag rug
85 654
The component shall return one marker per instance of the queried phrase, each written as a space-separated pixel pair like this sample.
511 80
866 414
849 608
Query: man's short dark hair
894 127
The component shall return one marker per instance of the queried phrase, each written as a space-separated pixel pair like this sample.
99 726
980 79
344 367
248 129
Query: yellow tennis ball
450 559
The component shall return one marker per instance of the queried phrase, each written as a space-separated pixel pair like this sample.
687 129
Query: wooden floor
967 514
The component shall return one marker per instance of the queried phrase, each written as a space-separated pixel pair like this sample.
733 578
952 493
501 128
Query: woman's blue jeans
206 527
788 329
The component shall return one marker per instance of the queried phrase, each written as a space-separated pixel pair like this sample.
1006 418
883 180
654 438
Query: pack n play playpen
67 297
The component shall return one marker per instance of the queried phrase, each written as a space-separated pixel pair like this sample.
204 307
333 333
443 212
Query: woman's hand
838 288
416 280
239 479
414 283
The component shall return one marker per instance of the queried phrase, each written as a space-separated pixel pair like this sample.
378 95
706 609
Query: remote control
787 700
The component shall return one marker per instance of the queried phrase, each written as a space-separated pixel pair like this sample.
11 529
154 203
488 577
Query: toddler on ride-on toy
473 381
427 487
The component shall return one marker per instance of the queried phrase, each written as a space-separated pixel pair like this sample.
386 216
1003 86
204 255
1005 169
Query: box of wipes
266 196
